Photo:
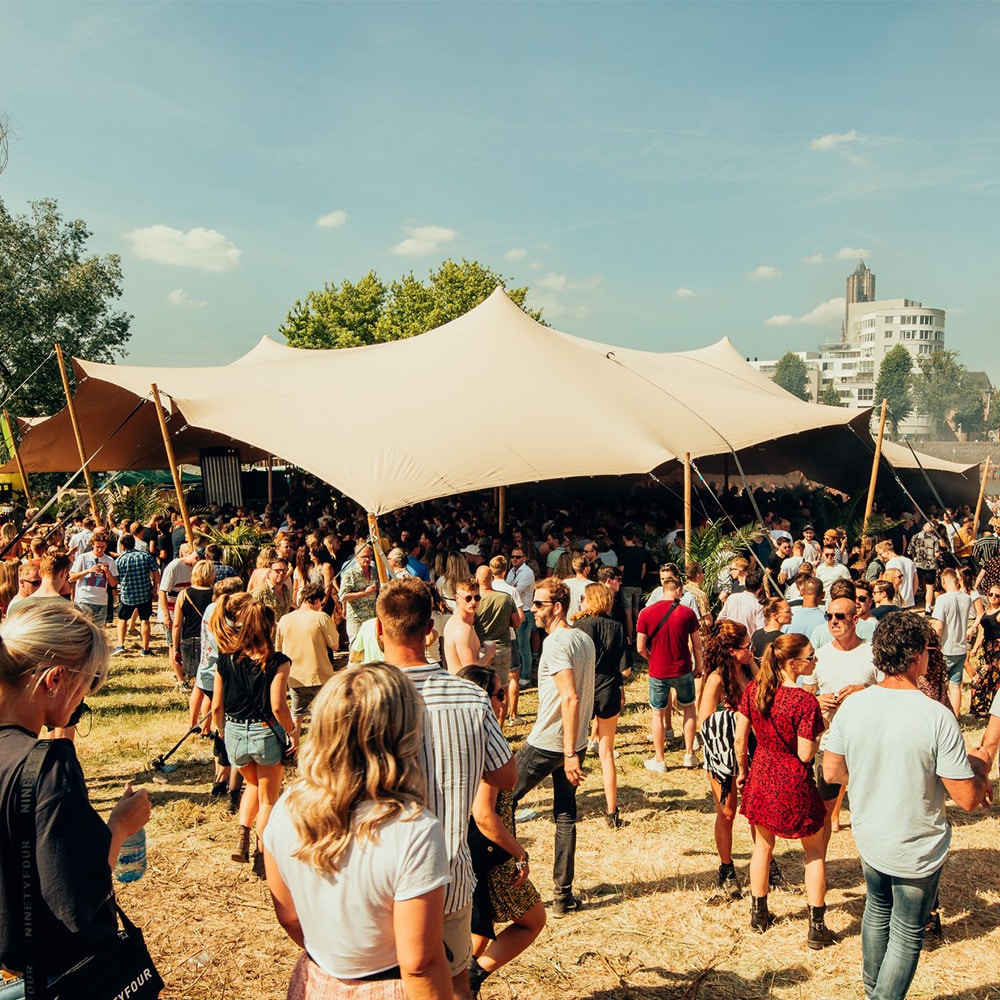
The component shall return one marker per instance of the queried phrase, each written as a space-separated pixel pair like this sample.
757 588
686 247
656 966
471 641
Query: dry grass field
652 926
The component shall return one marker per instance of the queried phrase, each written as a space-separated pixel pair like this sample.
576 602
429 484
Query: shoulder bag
121 968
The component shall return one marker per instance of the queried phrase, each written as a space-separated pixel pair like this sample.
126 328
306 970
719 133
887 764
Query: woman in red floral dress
779 792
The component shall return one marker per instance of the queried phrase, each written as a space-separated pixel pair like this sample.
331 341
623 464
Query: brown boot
242 852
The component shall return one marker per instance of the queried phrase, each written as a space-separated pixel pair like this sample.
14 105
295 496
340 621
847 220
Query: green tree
792 375
51 291
944 391
369 312
830 397
893 383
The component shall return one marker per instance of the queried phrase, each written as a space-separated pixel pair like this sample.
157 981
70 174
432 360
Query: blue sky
660 174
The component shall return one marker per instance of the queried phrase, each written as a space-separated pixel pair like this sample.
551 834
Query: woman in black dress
780 797
609 695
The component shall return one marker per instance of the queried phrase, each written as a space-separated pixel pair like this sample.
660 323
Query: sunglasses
839 615
470 597
808 659
538 604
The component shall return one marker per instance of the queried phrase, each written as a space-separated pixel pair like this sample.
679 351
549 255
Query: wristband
570 756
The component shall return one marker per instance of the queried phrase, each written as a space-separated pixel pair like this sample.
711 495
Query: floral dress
987 677
780 791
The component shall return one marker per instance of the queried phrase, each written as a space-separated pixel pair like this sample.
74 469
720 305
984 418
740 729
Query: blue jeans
523 639
892 930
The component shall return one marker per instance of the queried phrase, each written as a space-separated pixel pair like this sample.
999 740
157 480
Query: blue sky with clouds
660 174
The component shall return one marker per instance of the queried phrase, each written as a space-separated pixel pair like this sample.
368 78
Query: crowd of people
809 665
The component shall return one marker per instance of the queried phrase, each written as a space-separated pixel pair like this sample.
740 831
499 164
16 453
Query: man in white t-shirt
951 622
95 575
829 569
843 667
904 754
907 570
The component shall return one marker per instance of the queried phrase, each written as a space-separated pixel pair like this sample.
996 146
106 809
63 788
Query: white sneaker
592 746
659 766
689 761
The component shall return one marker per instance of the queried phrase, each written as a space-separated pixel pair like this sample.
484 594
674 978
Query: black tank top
196 599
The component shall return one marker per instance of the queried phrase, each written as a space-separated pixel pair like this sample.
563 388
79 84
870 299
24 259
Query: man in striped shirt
463 744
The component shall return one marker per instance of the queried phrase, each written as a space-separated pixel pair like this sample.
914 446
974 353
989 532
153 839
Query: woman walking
609 695
250 707
503 892
728 667
780 797
355 863
986 679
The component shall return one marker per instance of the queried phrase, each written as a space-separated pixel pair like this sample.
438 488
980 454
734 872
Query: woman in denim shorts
250 707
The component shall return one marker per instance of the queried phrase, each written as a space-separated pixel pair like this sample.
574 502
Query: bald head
484 577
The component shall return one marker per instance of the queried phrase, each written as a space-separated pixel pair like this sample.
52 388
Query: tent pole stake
76 432
869 505
17 459
175 471
383 577
687 509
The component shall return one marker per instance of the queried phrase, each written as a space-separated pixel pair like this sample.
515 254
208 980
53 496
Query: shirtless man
461 644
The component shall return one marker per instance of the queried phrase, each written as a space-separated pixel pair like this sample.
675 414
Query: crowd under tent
365 420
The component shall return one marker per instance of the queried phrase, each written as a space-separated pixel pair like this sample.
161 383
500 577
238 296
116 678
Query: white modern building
871 329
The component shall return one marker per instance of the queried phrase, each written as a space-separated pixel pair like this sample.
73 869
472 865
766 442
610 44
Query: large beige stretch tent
450 411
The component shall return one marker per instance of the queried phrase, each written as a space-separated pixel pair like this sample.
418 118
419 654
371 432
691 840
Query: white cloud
332 220
829 313
560 283
764 273
852 253
552 307
834 139
423 241
201 248
536 265
816 258
179 298
515 253
685 293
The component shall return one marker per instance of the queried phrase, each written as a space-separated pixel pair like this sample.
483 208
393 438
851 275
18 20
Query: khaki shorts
458 940
501 663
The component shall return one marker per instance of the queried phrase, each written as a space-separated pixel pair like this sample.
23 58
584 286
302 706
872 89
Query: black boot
242 852
775 878
477 976
728 882
819 934
613 820
760 915
234 800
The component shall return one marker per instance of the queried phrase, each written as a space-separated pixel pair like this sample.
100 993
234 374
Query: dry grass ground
652 927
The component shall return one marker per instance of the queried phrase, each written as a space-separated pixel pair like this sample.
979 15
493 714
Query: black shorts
827 791
607 698
927 577
145 611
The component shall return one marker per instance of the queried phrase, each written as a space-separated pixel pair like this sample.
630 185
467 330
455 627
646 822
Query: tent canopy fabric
355 418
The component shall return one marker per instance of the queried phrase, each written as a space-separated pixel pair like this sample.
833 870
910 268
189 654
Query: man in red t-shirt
663 633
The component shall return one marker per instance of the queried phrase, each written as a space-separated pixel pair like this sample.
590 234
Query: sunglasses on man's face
838 615
469 598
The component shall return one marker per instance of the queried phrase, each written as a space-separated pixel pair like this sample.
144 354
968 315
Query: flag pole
17 459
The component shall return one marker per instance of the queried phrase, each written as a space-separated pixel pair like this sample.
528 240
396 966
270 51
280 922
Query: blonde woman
355 863
51 655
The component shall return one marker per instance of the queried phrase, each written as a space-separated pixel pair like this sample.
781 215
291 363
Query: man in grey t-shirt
904 753
558 741
951 622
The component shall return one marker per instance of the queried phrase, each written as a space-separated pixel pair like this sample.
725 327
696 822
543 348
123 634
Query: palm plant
134 503
713 546
240 545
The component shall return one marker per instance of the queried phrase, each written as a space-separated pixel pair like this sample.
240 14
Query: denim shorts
659 690
255 742
956 667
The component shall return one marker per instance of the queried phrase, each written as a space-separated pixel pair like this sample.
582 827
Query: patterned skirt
310 982
986 680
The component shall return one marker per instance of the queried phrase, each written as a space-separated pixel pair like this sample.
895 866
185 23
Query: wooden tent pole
270 480
869 505
76 432
502 507
17 459
175 471
979 502
383 577
687 508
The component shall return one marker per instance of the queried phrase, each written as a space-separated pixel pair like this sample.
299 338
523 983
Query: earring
51 692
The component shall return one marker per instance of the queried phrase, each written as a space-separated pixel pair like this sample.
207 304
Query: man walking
463 744
951 622
904 753
558 741
522 578
137 577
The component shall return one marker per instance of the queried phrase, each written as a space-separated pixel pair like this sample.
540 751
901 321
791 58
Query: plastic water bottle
132 858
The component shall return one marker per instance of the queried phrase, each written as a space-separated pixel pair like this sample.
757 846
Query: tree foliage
792 375
369 311
52 291
830 397
893 384
945 392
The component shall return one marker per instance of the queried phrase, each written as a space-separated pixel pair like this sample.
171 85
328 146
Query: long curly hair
364 746
720 649
789 646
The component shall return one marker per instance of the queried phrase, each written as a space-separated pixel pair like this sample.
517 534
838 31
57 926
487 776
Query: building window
888 334
866 395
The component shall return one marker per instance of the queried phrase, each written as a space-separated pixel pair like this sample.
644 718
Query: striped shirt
462 740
